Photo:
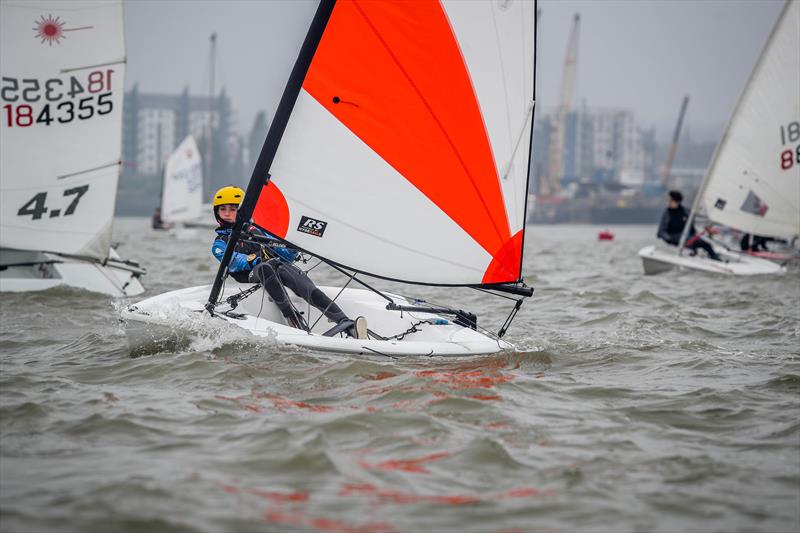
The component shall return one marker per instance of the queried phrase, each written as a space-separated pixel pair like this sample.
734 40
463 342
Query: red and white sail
406 155
753 183
63 77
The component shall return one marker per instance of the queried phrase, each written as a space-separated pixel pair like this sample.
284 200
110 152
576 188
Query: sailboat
753 182
63 67
182 189
399 150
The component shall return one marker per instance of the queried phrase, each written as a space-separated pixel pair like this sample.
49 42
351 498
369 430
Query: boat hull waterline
168 319
656 260
29 271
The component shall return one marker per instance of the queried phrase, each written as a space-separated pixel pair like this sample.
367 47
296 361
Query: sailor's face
227 212
672 204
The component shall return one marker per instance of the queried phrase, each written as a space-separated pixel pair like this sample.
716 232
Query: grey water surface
633 403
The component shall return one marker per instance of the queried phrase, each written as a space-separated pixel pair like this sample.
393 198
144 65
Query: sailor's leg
700 243
301 284
267 275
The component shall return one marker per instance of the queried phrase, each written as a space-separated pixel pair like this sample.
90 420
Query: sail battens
96 65
406 153
89 170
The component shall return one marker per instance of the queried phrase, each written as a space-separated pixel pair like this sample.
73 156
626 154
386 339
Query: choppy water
667 403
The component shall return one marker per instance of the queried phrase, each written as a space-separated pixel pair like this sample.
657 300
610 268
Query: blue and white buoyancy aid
239 266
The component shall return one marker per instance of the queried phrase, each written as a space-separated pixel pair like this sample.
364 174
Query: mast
260 176
210 125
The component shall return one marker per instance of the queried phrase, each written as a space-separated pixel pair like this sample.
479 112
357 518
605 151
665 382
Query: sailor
757 244
272 265
672 223
157 222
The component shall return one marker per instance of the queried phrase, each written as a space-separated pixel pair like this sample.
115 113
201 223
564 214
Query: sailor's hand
253 260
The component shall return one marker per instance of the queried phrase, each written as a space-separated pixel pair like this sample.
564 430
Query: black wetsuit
671 227
274 274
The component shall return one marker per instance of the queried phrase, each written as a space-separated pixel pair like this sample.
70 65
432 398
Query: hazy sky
638 54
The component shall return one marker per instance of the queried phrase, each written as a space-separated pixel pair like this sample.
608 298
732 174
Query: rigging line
330 304
438 123
385 354
101 167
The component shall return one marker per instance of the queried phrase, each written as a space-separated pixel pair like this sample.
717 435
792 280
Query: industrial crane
558 125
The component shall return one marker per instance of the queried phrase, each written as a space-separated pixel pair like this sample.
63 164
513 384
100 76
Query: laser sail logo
312 226
51 29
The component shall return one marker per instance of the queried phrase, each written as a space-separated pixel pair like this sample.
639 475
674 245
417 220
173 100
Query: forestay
63 66
406 154
753 182
182 192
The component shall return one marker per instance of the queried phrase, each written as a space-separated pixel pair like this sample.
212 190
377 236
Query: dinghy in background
387 163
753 182
182 189
61 147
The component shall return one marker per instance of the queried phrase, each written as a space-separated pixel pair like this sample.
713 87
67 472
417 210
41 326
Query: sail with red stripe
406 154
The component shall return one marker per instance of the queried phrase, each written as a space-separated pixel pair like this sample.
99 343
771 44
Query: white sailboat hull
28 271
657 259
172 318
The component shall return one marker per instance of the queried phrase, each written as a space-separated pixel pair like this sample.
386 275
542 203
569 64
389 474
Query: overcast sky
638 54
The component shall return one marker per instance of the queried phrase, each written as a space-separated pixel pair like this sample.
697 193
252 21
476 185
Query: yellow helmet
228 195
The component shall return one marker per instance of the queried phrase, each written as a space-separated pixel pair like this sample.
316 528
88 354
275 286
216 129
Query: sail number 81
35 207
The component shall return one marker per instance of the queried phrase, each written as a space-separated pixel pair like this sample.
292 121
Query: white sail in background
753 183
407 158
63 72
182 192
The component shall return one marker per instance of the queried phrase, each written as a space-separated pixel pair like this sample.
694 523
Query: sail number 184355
56 100
790 134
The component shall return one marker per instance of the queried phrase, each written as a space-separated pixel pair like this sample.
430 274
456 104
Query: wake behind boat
385 162
61 148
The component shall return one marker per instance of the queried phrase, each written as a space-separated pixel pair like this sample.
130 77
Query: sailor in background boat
272 266
157 222
674 220
756 244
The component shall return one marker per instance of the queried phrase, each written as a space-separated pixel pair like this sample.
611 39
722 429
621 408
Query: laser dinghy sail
182 189
753 182
63 67
400 150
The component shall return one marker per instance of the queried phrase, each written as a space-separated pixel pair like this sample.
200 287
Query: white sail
182 192
753 183
407 157
63 67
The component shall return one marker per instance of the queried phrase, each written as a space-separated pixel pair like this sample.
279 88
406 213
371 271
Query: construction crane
672 149
558 126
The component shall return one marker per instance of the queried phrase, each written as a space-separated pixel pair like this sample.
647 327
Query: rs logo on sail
312 226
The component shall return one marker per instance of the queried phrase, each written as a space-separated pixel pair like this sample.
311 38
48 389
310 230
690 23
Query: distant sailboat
753 182
63 71
182 189
400 149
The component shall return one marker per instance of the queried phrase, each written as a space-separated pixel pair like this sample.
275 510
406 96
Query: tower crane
674 147
558 127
